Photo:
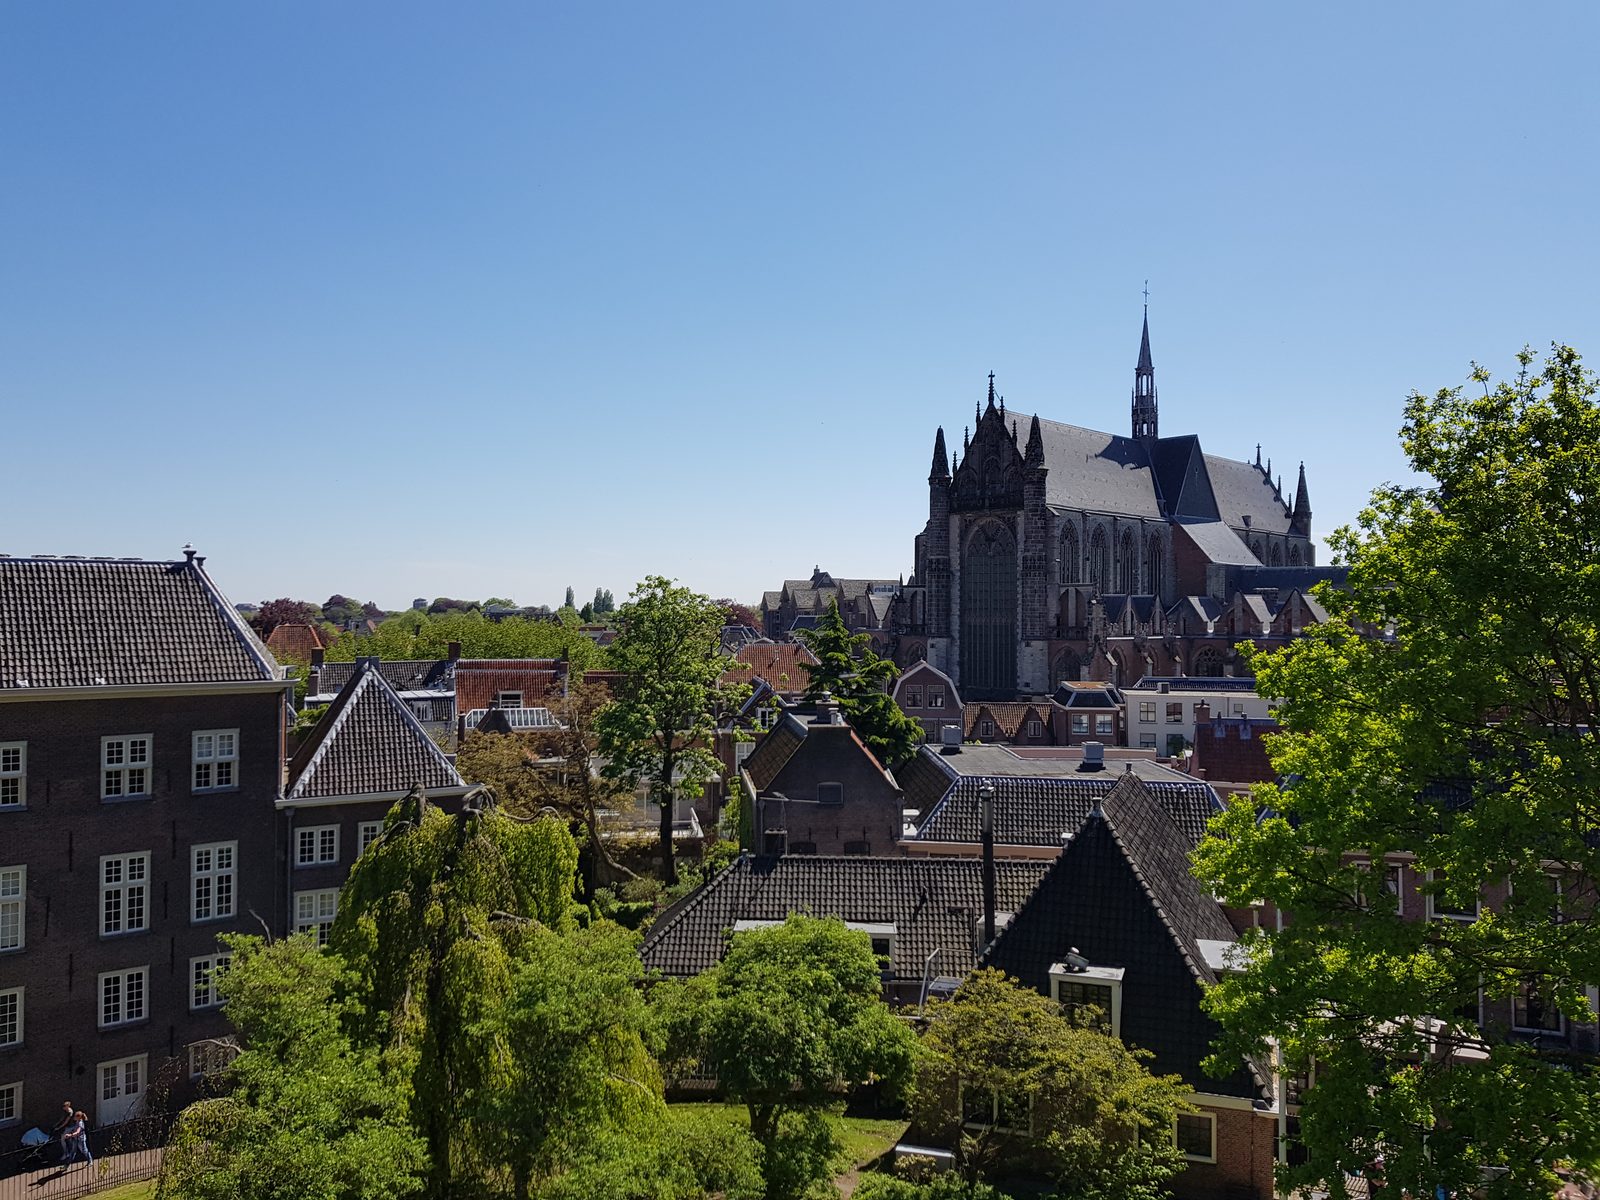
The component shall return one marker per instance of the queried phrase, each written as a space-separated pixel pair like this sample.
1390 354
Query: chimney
950 739
1202 712
453 651
1164 688
316 656
986 824
1094 757
827 711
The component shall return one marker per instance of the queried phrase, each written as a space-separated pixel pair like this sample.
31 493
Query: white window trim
366 833
994 1113
107 888
1211 1120
1106 977
316 831
122 768
1561 1019
1435 915
16 1104
123 976
508 699
20 775
195 761
1035 728
22 1014
215 964
20 900
227 1051
314 924
214 874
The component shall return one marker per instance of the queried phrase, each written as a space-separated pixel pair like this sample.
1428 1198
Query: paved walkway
82 1179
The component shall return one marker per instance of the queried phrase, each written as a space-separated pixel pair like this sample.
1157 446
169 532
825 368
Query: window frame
913 697
215 761
1435 913
11 1093
1147 712
833 797
1211 1123
123 766
203 993
17 776
508 699
367 832
320 925
1105 724
123 886
1035 727
19 902
20 992
1518 1001
1080 723
213 875
317 833
1174 712
122 975
196 1050
1092 976
936 697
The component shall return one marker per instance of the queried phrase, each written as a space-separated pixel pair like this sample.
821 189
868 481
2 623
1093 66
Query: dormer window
986 729
913 697
1035 728
508 699
936 697
1082 988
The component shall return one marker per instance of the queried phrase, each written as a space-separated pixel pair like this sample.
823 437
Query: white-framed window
11 1007
1196 1136
214 882
1035 728
1147 712
314 912
1532 1013
10 1104
913 697
13 908
203 975
936 697
1444 906
216 760
124 997
1105 724
1392 876
1147 741
13 775
208 1058
767 716
124 894
316 845
1080 723
508 699
1082 989
125 766
986 729
990 1108
366 833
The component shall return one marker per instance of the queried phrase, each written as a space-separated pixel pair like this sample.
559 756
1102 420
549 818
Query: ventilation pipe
986 822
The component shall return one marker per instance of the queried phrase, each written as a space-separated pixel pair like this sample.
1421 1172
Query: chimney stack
453 651
1094 757
986 823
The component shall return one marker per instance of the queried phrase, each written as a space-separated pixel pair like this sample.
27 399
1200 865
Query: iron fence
123 1153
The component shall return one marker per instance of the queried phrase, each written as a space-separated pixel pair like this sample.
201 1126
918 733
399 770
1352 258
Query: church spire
991 389
941 464
1144 384
1034 457
1300 522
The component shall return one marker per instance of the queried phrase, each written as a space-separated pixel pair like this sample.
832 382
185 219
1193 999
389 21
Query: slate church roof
368 743
104 622
932 903
1122 894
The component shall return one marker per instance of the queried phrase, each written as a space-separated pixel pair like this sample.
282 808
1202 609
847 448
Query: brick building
141 750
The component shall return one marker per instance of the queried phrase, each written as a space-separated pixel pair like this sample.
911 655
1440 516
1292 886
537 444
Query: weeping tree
433 923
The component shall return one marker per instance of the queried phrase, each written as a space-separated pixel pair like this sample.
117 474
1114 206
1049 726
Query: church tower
936 542
1144 388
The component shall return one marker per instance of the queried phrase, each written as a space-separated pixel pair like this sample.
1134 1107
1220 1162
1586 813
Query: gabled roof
773 750
1007 716
403 674
479 681
932 904
924 667
1123 894
1243 490
294 640
88 622
781 664
1218 543
367 743
1180 473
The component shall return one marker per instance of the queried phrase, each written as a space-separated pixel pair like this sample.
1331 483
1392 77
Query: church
1055 553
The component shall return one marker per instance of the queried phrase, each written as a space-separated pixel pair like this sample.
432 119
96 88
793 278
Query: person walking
58 1131
78 1134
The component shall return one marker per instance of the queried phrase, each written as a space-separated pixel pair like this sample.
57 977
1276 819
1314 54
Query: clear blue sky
402 299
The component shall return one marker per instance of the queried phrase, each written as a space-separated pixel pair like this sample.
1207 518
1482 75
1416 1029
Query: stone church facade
1054 553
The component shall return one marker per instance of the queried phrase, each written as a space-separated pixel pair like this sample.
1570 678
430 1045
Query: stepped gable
368 743
1122 894
932 904
103 622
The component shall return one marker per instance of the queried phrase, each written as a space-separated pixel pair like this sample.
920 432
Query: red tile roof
478 681
294 641
781 664
1232 750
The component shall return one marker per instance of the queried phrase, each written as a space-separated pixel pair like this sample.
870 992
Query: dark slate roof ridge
756 763
678 909
232 616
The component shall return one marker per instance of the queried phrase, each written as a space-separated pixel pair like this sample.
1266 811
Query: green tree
433 920
850 671
577 1081
1101 1123
417 635
567 603
308 1115
1449 709
792 1015
659 730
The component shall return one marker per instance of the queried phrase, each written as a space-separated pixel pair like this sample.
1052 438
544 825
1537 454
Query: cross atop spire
991 389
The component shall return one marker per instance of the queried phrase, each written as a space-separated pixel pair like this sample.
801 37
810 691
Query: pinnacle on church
1301 517
1035 452
1145 418
1144 345
966 440
941 465
991 389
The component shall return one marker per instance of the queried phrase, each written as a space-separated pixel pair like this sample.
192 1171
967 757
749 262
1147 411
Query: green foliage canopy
850 671
420 635
1449 709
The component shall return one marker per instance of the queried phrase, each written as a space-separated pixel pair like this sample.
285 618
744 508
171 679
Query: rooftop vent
1094 757
950 738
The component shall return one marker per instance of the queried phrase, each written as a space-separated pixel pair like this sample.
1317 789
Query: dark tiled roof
924 779
1242 490
1035 810
1218 543
403 674
1195 683
68 622
368 742
1079 696
931 902
1123 895
1231 749
773 750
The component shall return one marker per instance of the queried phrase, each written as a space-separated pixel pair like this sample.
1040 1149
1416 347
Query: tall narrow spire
1034 457
991 389
1144 386
1300 521
941 464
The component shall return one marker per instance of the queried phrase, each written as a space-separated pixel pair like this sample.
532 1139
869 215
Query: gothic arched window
1257 550
1099 560
1152 565
1294 554
1277 555
1207 661
1127 564
1071 565
1069 668
989 612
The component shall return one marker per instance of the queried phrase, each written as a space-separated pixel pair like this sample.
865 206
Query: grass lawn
864 1138
129 1191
